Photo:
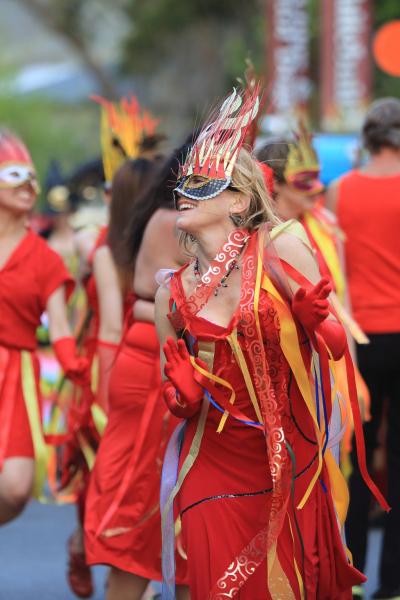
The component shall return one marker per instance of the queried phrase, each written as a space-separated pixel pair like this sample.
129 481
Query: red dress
27 280
237 508
122 524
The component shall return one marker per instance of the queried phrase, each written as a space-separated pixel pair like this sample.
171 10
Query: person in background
33 279
123 129
292 169
122 525
367 206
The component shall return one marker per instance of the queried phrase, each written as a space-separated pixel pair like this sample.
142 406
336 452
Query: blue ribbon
168 481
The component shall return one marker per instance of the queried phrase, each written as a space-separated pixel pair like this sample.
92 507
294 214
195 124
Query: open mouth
185 205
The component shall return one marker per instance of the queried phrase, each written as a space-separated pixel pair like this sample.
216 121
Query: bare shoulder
332 193
163 218
288 245
102 255
294 251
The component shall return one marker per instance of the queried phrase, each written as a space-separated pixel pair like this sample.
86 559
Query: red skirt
225 502
15 430
122 522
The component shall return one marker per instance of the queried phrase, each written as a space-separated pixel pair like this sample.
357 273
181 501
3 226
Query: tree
191 50
72 20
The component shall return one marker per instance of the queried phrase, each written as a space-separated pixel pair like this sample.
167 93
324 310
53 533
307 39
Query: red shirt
27 280
368 212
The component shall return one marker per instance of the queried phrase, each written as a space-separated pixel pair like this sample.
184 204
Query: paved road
33 556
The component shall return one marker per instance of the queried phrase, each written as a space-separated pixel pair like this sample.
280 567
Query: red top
369 214
27 280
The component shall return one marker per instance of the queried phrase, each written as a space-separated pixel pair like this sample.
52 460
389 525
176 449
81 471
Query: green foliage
65 132
155 25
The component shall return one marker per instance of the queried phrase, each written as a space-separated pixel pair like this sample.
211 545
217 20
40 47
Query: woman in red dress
260 497
123 131
33 279
122 525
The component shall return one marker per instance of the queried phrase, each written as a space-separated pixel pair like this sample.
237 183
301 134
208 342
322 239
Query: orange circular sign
386 48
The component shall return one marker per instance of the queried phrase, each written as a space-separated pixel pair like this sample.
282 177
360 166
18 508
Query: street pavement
33 556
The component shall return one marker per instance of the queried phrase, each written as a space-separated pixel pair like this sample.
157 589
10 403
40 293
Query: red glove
75 367
184 394
311 307
175 404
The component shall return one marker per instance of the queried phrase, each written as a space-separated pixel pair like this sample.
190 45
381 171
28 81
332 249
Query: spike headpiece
208 168
302 165
124 126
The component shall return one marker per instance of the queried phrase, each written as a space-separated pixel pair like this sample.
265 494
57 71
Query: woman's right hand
181 374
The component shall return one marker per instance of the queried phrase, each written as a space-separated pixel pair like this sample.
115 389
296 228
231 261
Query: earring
236 219
192 238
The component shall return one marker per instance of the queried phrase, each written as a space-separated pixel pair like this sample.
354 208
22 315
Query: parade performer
122 525
249 336
33 279
366 202
124 126
291 169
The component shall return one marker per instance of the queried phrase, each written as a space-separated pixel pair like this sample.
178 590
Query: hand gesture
311 306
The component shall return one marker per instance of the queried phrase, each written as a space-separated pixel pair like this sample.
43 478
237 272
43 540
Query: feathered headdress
214 153
302 165
16 165
123 127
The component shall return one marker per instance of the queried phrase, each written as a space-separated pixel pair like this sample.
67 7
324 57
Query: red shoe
79 574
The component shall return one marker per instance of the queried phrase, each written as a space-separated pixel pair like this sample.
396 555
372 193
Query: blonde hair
248 178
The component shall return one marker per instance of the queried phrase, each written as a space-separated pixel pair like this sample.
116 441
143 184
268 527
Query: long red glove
311 307
182 393
75 367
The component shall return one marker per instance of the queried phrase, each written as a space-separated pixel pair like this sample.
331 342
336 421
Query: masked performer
124 126
260 497
122 524
292 170
32 279
366 202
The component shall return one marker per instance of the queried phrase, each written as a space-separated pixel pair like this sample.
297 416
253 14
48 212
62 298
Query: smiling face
18 200
196 215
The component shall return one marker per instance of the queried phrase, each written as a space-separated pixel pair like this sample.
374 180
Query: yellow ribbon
291 349
240 359
326 245
99 418
41 449
216 379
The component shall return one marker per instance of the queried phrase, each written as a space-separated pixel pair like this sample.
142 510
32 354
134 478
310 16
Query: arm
163 325
109 295
75 368
311 305
182 393
56 308
331 196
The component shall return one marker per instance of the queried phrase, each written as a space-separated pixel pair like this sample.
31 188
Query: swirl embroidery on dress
265 358
241 568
